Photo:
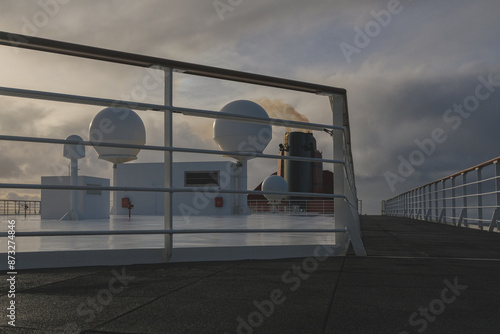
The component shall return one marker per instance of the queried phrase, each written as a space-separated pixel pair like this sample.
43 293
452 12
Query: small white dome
74 151
274 183
241 136
117 125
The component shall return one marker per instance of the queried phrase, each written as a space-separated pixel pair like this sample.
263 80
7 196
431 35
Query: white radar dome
74 151
117 125
241 136
274 183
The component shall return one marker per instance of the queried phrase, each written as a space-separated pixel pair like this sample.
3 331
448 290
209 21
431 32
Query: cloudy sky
423 78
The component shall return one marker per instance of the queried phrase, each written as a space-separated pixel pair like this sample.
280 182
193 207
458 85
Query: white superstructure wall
90 204
210 176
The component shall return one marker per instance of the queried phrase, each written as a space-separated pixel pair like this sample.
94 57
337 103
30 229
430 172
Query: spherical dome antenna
274 183
74 151
241 136
117 125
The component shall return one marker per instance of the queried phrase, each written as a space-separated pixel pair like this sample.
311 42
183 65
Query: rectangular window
200 179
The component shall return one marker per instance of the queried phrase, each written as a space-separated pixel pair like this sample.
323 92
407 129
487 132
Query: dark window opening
196 179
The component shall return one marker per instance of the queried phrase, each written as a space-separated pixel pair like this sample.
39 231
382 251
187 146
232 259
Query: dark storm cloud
398 152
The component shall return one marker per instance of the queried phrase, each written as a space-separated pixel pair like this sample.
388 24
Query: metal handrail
162 232
164 190
343 162
164 149
95 101
437 201
126 58
18 207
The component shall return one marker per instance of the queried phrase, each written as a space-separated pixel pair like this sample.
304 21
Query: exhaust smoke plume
276 108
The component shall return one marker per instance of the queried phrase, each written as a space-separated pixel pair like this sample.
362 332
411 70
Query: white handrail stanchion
168 127
343 213
479 191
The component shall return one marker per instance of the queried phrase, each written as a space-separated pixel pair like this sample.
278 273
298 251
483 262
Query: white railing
306 206
469 198
344 197
19 207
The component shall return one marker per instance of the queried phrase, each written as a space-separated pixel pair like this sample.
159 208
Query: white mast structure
74 152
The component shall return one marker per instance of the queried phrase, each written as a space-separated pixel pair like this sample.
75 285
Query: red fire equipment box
219 202
125 202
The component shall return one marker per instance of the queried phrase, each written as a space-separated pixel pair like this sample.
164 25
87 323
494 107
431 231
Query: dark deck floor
418 277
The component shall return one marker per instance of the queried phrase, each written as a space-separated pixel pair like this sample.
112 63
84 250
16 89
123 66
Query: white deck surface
79 250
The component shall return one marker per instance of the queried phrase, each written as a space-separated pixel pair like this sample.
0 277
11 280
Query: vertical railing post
419 203
464 196
479 190
401 211
436 201
415 203
429 199
424 203
337 103
429 202
405 200
417 198
453 201
401 208
444 201
168 129
493 222
497 183
410 204
407 206
343 213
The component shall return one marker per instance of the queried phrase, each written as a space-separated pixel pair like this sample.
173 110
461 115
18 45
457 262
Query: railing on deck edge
306 206
344 197
469 198
19 207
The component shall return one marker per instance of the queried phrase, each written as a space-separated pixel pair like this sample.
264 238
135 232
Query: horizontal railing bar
453 207
469 218
258 201
490 178
459 197
472 183
488 193
455 197
58 97
484 164
271 121
472 220
150 232
487 163
475 207
89 52
208 190
165 148
456 207
460 186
